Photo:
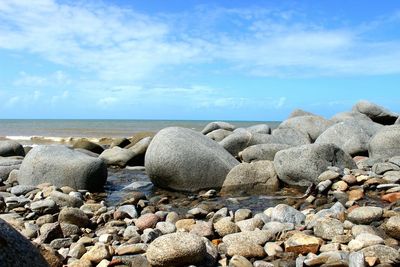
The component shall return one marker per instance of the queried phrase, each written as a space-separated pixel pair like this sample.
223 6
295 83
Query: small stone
301 243
272 248
391 197
368 239
177 249
44 206
327 228
349 179
131 249
225 226
365 215
166 227
328 175
130 232
242 214
185 225
356 259
105 238
392 227
97 253
287 214
239 261
250 224
65 200
73 216
329 247
203 229
384 253
355 194
61 243
148 220
22 189
246 249
324 185
77 250
128 211
149 235
340 186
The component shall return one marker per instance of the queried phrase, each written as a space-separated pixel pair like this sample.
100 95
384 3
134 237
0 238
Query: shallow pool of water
181 201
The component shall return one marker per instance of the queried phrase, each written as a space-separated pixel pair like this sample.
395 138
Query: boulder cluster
51 215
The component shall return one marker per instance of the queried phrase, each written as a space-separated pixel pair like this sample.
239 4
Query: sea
47 131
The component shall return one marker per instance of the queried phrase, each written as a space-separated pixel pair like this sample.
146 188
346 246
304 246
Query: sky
214 60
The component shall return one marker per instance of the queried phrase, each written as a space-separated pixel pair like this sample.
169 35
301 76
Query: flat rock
327 228
385 254
301 243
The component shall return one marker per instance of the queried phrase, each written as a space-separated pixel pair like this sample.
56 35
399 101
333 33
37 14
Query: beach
323 192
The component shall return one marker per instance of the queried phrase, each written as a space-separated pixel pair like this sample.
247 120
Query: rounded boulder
184 160
62 166
303 164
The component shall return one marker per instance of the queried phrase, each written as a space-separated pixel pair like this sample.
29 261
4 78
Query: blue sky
196 59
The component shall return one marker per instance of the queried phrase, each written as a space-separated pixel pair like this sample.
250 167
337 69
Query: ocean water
57 130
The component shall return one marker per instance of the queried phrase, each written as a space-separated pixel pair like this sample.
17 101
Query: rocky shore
346 170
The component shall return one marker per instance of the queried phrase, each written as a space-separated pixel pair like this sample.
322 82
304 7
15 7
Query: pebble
176 249
365 215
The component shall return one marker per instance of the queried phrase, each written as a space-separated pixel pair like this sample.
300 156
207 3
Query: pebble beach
310 191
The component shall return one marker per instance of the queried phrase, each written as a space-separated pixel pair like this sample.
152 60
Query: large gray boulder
11 148
219 134
312 125
88 145
385 143
303 164
184 160
251 178
7 164
261 152
349 115
133 156
291 136
62 166
16 250
238 141
299 112
350 135
217 125
375 112
258 128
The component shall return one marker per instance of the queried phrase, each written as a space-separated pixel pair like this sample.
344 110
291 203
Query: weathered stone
312 125
16 250
10 148
73 216
88 145
177 249
62 167
376 113
182 159
302 165
384 253
327 228
225 226
392 227
385 143
301 243
286 214
261 152
365 215
251 178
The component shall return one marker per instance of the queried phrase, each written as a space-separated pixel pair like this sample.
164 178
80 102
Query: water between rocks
180 201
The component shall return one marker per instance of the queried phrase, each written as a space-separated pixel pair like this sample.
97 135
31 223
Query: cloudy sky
229 59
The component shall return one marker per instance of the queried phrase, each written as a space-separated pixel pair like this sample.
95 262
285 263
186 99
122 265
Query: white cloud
120 44
281 102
